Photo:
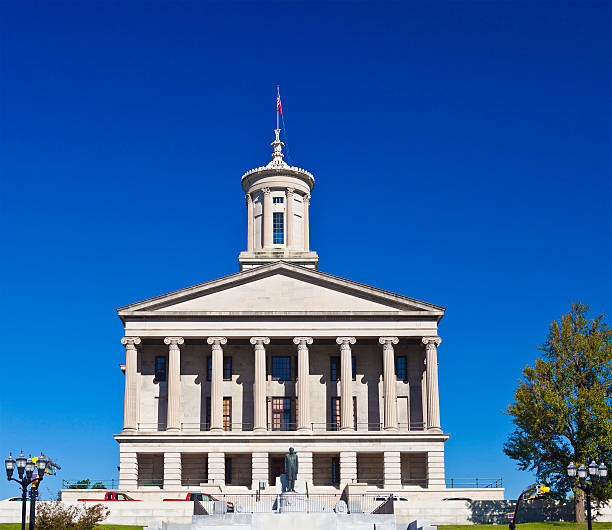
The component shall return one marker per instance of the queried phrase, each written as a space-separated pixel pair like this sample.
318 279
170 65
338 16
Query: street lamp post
25 466
588 478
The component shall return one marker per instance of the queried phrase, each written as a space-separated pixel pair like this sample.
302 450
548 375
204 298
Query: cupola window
278 228
278 200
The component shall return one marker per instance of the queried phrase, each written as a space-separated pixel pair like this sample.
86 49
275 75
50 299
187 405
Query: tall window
228 469
278 228
160 369
401 369
281 368
335 470
335 414
335 372
227 368
227 413
282 414
336 420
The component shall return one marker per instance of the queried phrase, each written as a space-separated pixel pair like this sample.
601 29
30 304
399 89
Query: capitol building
221 378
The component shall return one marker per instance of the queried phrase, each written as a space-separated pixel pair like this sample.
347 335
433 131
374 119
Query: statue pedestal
281 484
292 502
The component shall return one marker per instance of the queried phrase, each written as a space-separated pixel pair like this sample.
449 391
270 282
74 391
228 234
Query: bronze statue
291 469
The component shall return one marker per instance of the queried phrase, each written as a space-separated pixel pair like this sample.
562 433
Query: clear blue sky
462 157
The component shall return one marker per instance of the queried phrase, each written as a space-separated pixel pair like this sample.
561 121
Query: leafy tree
562 407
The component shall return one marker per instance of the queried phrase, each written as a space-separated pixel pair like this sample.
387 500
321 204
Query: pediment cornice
398 305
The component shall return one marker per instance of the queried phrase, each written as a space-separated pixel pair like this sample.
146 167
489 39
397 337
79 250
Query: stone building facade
223 377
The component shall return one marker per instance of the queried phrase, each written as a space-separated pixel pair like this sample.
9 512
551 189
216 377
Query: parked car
113 496
203 497
16 499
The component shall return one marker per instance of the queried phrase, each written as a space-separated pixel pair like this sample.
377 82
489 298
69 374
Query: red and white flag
278 104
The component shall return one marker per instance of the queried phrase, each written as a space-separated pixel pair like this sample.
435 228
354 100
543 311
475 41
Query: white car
394 498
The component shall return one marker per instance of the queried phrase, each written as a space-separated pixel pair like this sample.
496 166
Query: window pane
282 414
227 368
278 200
160 368
281 368
208 367
401 371
334 368
278 228
227 413
335 414
354 368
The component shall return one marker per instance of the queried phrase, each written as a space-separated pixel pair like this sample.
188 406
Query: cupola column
250 218
346 383
267 218
306 223
289 219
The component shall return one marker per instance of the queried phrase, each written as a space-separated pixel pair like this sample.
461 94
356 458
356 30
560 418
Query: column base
435 429
347 429
127 430
304 430
172 429
259 430
216 430
391 428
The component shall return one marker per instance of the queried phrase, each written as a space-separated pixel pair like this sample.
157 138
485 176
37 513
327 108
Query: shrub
59 516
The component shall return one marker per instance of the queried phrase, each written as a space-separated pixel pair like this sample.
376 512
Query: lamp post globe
29 467
41 464
571 470
582 473
21 463
603 473
593 469
9 465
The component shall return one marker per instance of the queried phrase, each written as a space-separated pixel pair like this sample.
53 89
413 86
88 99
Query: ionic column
173 421
250 218
289 220
267 218
306 223
389 386
216 383
303 423
433 396
259 384
346 383
130 403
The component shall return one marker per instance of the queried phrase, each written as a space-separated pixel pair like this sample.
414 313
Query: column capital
216 340
345 340
302 340
307 198
266 191
174 341
248 198
387 340
431 342
290 192
130 342
260 340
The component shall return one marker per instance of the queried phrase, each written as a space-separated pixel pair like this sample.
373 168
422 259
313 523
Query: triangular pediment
281 287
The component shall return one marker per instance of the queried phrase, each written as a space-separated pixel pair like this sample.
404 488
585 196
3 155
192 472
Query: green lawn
17 526
528 526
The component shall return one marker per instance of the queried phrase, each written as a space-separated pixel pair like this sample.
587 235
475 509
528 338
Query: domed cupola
278 199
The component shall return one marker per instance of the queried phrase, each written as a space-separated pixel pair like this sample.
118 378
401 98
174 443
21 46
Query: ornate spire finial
277 155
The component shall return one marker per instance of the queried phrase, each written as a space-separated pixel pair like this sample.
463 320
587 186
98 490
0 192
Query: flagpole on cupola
278 105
